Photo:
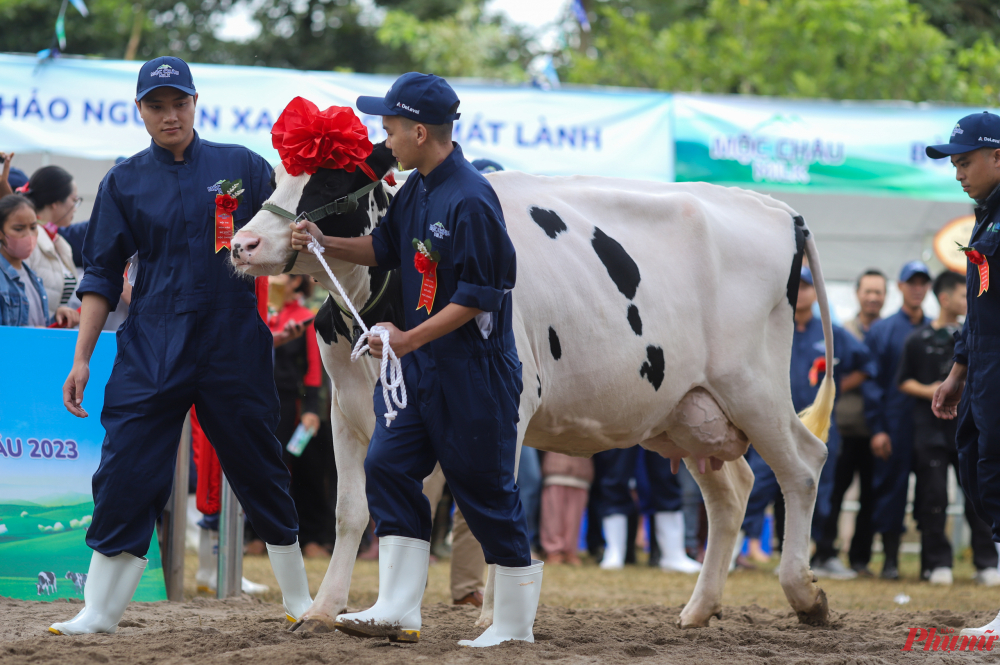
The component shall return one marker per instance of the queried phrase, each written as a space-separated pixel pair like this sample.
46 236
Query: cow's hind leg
797 468
725 493
352 518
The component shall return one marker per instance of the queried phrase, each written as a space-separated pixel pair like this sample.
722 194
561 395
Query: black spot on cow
550 222
794 276
539 379
653 368
622 269
634 320
554 345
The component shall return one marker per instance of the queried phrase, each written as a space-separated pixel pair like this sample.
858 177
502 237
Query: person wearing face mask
53 192
23 301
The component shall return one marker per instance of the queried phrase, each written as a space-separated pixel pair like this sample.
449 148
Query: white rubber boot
515 601
111 582
290 571
402 576
207 577
670 538
615 535
989 630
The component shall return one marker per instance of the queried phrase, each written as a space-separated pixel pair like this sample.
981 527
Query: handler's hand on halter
307 236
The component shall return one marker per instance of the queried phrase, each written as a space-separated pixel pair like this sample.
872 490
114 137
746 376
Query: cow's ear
381 159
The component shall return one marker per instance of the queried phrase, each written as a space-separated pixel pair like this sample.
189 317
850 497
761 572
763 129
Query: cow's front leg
725 492
485 619
352 518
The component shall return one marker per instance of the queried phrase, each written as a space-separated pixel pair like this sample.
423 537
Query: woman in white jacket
53 191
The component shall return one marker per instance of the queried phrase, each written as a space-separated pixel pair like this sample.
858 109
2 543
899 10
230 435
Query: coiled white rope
390 371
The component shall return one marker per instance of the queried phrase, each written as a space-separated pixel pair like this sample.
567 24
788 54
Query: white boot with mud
670 538
992 629
402 576
515 601
111 582
615 535
290 571
207 577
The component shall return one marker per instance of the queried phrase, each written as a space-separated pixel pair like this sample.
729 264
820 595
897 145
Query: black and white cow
46 583
79 580
644 313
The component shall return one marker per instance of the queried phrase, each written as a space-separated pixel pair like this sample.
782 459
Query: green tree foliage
841 49
466 43
158 26
965 21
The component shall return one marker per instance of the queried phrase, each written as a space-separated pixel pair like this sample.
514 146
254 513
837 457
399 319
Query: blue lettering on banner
264 121
40 449
12 107
241 118
97 112
32 109
118 113
61 103
206 117
576 137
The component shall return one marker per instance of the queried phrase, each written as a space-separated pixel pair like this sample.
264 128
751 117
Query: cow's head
263 245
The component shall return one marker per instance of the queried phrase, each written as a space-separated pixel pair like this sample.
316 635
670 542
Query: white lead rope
390 371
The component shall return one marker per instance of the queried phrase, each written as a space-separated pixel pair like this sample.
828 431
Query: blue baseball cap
164 72
421 97
485 166
912 269
806 275
17 178
979 130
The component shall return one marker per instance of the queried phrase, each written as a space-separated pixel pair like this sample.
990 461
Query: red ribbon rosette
308 139
978 259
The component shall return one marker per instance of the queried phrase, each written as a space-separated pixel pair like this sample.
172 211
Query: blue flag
581 15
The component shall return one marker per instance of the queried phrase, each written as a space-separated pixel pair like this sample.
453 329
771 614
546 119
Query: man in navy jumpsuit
460 366
193 337
890 413
808 365
972 389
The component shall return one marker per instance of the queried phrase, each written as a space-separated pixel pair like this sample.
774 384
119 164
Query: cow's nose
246 242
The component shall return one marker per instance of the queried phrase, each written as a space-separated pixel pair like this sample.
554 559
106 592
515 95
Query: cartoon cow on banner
644 313
46 583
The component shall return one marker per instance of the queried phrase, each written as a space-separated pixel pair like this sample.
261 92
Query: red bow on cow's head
308 139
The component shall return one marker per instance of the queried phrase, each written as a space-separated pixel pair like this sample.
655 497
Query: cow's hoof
312 625
484 621
819 614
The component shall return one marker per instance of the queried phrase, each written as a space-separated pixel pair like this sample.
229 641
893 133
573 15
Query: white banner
85 108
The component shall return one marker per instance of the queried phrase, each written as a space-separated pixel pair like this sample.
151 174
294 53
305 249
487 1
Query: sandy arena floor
628 623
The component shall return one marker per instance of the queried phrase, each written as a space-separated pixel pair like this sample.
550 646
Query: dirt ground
587 616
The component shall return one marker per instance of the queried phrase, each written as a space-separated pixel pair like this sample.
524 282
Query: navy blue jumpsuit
807 347
889 410
464 388
192 336
978 347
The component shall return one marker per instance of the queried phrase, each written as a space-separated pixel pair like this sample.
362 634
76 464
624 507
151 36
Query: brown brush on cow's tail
816 417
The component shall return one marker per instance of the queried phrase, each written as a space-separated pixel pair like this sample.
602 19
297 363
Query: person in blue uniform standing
971 389
460 366
193 337
853 365
889 413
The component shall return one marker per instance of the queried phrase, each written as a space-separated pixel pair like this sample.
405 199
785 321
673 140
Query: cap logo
958 130
403 106
988 139
164 71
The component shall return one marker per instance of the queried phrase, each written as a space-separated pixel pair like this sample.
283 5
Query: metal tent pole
175 519
230 543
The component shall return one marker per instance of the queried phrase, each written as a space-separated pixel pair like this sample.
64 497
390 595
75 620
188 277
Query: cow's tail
816 417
